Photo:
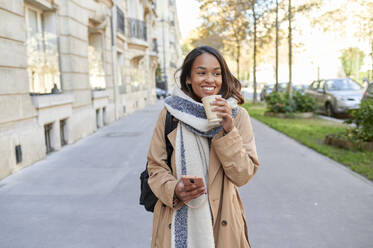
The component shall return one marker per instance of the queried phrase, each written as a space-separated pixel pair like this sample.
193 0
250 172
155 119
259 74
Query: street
86 195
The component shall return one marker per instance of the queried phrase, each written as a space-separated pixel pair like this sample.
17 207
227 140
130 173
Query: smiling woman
221 157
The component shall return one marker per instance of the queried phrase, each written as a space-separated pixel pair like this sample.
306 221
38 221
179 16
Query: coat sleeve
161 180
237 150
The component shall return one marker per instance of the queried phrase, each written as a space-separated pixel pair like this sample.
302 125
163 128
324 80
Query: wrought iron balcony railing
137 29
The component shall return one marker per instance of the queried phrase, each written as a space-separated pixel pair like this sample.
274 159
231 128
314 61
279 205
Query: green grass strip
312 132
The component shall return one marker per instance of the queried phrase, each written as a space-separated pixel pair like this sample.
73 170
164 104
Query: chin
203 94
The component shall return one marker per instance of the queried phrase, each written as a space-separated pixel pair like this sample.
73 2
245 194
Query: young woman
210 214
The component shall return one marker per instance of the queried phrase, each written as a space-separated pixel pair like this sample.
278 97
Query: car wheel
329 110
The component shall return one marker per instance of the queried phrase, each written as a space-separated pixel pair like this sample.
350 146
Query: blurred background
318 39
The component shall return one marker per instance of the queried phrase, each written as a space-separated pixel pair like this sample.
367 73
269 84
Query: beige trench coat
233 162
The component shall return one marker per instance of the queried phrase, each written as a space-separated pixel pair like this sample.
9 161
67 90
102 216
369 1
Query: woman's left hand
225 112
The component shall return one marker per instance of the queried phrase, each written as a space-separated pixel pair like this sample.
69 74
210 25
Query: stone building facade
168 36
69 67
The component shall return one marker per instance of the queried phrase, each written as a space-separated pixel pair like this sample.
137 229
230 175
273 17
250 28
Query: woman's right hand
186 191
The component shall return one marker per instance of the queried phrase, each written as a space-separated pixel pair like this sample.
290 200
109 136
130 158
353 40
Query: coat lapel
213 166
172 138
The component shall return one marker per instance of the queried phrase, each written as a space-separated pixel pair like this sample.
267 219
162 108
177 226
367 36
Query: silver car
336 96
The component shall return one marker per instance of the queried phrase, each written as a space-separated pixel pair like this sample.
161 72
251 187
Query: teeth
208 88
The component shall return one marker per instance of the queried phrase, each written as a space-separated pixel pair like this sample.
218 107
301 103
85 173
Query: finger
194 196
224 115
180 185
221 109
198 195
219 103
195 192
192 188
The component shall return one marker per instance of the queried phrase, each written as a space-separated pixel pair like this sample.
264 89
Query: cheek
220 84
196 81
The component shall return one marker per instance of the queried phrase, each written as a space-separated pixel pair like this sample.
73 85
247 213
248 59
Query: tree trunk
254 64
238 59
371 54
357 66
276 85
290 88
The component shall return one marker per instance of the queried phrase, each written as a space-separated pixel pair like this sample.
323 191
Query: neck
194 96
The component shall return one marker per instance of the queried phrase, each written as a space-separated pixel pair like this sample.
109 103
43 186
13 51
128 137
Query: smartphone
193 180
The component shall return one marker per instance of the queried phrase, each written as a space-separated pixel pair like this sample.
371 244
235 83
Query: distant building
167 37
69 67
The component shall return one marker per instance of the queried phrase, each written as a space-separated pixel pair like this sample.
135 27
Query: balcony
137 29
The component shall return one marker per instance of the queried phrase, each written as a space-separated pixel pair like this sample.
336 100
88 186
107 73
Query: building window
63 132
48 137
18 154
96 61
98 118
155 45
121 76
137 77
120 21
132 9
42 51
104 117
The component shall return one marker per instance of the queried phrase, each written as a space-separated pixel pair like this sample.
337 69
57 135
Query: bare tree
290 88
228 19
277 43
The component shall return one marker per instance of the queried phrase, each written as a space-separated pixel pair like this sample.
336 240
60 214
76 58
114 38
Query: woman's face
205 76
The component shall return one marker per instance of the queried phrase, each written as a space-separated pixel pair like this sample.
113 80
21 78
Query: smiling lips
208 90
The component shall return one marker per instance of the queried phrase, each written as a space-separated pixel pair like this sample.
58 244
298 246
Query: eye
217 73
201 73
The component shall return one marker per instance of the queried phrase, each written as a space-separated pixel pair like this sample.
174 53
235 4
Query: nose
210 78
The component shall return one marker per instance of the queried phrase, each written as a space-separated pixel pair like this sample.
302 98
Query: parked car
300 88
336 96
282 87
368 94
161 93
267 89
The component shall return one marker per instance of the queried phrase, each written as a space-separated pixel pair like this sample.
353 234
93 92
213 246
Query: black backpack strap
147 197
170 125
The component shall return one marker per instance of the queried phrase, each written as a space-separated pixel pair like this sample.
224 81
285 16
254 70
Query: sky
187 11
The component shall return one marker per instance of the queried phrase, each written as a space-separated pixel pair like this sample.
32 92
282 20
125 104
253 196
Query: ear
188 80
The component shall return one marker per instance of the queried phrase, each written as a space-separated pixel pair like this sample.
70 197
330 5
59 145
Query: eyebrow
204 68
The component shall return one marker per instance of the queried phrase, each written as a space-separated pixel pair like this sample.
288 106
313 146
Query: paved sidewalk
300 198
86 195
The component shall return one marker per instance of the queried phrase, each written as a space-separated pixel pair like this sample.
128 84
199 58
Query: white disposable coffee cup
213 119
